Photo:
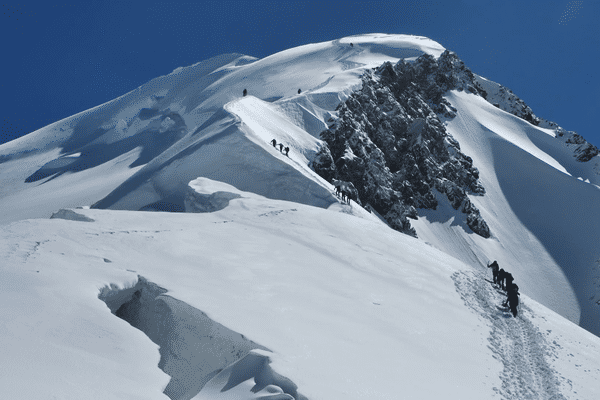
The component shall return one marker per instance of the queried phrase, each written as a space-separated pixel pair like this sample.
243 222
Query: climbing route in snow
515 342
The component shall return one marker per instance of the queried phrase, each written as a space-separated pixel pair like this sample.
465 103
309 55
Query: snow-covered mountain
269 286
421 136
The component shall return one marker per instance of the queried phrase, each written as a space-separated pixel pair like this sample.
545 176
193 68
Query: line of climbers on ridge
341 191
346 190
505 280
281 148
245 92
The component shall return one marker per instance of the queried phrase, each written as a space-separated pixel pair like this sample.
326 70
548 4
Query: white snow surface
327 297
346 308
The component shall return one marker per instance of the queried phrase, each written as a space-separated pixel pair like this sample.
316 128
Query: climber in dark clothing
501 276
494 267
287 150
274 142
280 146
512 299
509 280
509 288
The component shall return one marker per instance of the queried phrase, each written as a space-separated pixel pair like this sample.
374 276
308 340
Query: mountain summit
254 279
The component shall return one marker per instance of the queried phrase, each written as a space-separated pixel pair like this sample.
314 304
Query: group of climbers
281 148
505 280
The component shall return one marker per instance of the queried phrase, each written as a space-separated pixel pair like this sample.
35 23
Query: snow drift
194 349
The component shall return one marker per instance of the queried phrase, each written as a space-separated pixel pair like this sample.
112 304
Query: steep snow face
567 143
174 119
346 307
545 232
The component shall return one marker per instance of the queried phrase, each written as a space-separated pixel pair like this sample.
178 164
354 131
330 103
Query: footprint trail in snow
516 342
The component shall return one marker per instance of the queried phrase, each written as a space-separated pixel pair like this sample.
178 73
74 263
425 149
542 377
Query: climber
512 299
501 277
494 267
509 280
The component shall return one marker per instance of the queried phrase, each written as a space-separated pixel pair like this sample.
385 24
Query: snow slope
546 231
341 307
148 144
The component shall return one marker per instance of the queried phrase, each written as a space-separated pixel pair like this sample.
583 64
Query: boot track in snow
516 342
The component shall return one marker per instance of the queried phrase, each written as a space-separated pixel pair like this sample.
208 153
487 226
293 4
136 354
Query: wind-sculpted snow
516 342
71 215
155 137
196 202
390 143
205 195
233 147
250 378
195 350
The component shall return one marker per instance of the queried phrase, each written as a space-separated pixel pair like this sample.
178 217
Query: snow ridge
504 98
516 342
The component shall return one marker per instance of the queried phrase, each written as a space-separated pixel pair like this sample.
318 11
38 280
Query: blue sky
63 58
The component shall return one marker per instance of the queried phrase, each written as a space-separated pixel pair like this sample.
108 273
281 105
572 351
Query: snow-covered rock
506 100
390 143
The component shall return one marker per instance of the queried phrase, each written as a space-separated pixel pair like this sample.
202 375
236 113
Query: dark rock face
584 151
390 143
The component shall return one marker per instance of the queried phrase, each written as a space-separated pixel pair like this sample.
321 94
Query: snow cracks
204 358
516 342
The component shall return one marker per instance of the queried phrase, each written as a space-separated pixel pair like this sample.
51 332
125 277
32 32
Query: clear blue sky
63 58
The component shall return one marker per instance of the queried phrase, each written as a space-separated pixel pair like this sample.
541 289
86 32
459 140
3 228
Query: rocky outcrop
390 143
583 151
